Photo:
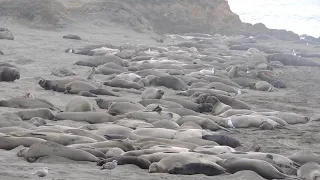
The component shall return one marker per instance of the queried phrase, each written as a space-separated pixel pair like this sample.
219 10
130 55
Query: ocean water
299 16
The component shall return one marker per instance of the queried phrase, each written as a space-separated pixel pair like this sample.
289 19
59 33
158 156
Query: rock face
184 16
160 16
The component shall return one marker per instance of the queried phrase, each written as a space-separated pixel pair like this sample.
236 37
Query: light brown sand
36 52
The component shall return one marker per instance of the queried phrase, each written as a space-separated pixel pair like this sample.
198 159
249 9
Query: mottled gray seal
167 163
263 168
309 171
58 85
60 138
9 73
120 108
42 149
117 82
291 60
223 140
171 104
152 93
62 72
197 168
169 82
140 162
78 104
10 142
90 117
31 113
27 103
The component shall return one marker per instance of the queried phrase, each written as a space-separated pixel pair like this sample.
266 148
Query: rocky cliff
160 16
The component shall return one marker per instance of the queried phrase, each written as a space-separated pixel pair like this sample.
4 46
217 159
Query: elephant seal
167 163
291 60
205 123
228 100
87 94
223 140
232 112
309 171
263 168
62 72
140 162
37 121
197 91
171 104
184 102
60 138
82 132
213 149
167 124
218 107
156 132
171 82
71 36
223 87
303 157
9 74
97 153
90 117
197 168
105 103
40 113
169 142
42 149
114 152
27 103
117 82
78 104
246 121
58 85
120 108
290 118
263 86
8 142
77 86
152 93
133 124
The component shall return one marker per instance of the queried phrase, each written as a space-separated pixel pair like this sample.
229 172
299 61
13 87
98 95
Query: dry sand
36 52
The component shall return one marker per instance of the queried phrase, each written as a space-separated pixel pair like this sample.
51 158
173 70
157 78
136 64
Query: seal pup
9 74
78 104
152 93
110 165
42 172
309 171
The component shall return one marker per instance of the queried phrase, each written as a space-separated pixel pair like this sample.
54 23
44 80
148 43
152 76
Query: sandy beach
36 51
